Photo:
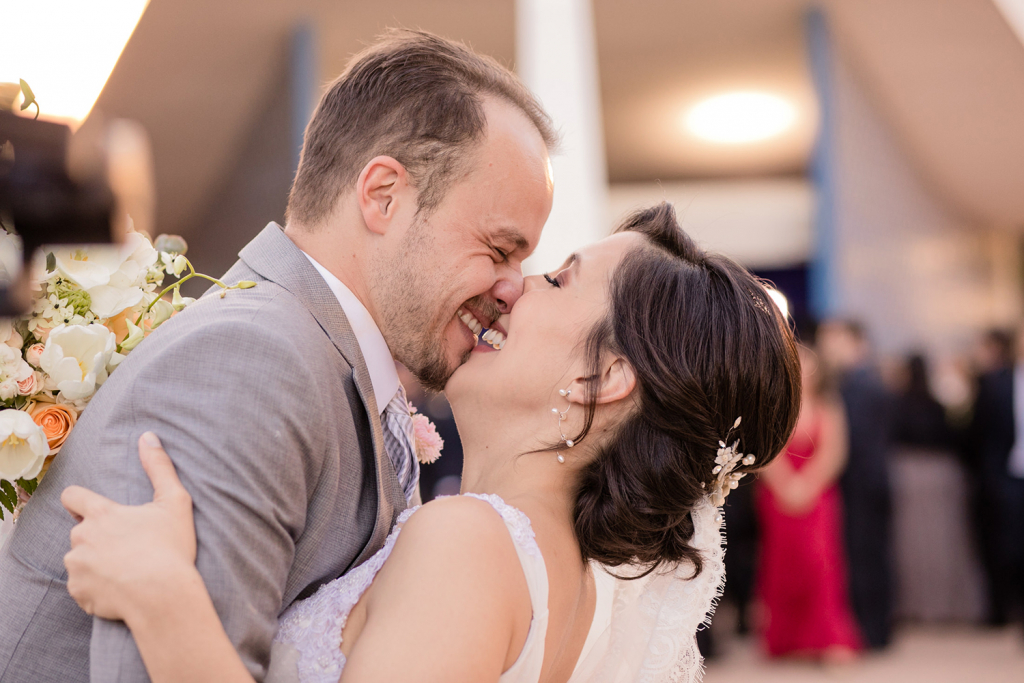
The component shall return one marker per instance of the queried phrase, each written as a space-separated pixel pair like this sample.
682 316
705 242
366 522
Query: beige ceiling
659 57
947 74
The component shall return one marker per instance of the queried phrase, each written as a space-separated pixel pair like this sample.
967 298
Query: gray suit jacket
263 401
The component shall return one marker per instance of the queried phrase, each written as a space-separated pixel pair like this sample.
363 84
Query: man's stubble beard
410 291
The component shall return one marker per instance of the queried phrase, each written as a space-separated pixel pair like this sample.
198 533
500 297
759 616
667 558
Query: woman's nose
533 282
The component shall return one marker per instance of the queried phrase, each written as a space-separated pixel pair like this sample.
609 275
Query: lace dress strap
527 666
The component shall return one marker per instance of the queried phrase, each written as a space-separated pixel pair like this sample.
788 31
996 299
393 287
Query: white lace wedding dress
307 648
649 637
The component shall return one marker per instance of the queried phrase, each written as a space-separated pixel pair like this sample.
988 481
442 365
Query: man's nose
508 289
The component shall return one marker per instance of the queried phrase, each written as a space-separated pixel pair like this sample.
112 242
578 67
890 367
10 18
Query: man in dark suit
865 483
998 495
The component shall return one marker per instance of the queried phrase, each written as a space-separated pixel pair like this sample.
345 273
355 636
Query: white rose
8 389
113 276
76 357
23 445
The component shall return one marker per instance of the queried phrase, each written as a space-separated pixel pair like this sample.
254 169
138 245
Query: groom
423 184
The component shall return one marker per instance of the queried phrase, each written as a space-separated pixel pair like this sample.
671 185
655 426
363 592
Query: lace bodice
307 647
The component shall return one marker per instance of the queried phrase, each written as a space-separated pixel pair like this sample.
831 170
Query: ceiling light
65 49
739 117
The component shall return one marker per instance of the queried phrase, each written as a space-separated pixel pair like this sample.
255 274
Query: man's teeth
491 336
471 322
494 338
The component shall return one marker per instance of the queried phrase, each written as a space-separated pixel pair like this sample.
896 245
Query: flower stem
170 288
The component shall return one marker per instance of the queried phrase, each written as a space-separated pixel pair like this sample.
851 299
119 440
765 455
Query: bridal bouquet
91 305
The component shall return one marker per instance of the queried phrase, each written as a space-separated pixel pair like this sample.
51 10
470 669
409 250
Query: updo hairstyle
708 345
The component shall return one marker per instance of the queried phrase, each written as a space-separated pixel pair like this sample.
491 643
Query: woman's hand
124 558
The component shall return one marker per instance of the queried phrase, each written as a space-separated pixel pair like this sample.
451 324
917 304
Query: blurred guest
741 521
919 419
937 576
843 346
995 452
802 581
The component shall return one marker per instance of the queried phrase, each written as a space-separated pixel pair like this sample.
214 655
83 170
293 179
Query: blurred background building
866 156
874 166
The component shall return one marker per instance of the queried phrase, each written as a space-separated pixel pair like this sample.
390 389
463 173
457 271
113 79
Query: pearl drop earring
561 416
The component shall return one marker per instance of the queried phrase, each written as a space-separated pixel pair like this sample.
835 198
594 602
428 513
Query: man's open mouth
493 336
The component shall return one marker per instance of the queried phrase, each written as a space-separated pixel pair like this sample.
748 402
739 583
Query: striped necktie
399 442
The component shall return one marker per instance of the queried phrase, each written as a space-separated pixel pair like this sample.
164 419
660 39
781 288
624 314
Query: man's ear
380 183
617 381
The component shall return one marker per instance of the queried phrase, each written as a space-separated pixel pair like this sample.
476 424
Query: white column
556 56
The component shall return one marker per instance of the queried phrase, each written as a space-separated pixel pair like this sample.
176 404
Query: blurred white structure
763 224
556 55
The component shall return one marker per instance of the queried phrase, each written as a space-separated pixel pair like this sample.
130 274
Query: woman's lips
484 347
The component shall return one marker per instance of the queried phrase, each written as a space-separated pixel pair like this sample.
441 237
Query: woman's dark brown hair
707 345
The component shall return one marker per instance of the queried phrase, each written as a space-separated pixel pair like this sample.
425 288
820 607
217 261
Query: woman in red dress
801 580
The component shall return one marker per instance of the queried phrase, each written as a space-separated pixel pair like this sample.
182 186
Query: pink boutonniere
428 442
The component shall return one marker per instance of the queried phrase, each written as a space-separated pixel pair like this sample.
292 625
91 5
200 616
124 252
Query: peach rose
56 419
33 353
118 324
30 385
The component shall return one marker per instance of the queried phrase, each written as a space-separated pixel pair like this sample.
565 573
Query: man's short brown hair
413 96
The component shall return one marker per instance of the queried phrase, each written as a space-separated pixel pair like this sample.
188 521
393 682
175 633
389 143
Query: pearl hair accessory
726 460
561 416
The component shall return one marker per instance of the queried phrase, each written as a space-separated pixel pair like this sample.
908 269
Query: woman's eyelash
551 281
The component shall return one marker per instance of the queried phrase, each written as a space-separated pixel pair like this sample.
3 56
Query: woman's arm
137 564
826 465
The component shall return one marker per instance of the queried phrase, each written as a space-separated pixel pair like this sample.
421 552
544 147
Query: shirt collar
376 354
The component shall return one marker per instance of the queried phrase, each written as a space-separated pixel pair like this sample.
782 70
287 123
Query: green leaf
8 496
30 97
51 262
29 485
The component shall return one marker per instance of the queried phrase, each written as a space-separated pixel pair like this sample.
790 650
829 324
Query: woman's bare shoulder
469 528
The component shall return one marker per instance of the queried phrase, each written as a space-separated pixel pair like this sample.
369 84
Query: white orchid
179 302
135 335
75 359
23 446
161 312
112 276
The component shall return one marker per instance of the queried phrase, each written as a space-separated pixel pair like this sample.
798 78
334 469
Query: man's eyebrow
511 235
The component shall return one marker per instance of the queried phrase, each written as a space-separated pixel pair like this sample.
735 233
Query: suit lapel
275 257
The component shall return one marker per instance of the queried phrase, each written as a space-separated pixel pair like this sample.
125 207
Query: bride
635 386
